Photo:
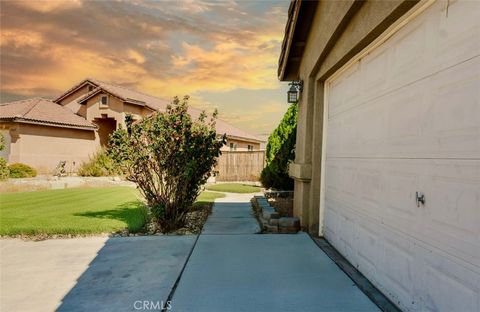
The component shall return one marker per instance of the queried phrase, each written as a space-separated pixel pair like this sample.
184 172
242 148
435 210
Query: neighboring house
42 133
390 112
264 137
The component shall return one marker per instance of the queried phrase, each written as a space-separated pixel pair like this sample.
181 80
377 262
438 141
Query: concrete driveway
90 274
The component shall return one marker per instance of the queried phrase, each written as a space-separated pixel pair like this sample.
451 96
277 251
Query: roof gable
79 85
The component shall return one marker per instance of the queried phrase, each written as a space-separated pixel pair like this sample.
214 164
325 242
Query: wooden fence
240 165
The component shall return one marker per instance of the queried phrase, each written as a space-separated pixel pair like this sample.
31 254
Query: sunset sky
224 54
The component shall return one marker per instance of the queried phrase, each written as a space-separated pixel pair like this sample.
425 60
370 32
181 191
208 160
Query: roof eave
47 123
240 138
300 15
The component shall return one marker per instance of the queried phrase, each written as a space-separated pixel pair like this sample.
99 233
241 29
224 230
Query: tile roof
156 104
42 111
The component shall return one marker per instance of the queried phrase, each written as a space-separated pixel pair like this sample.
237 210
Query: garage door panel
448 284
368 245
453 31
417 52
406 118
456 98
453 216
433 118
401 182
345 98
399 267
374 73
370 190
409 55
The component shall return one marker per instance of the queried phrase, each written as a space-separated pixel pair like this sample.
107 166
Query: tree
169 156
280 152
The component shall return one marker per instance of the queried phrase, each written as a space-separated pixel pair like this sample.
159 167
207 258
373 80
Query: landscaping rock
270 215
289 222
287 230
288 225
273 222
271 229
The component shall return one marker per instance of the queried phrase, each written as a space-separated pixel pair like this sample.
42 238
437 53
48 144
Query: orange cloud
163 48
50 5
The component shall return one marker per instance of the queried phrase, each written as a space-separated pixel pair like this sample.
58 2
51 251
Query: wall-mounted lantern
293 93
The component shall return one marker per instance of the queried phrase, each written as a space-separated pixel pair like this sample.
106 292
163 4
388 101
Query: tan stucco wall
43 147
70 102
339 30
241 145
116 108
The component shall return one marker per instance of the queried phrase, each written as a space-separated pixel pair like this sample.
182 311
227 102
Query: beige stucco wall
70 102
339 30
116 108
241 145
43 147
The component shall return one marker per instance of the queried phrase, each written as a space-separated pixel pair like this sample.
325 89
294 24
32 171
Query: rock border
270 220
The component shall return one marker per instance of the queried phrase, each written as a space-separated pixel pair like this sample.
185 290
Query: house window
233 146
250 147
90 88
104 100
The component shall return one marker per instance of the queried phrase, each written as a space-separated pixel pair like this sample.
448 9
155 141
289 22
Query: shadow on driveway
127 271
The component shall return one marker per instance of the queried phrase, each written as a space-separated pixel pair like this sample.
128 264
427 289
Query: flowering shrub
169 156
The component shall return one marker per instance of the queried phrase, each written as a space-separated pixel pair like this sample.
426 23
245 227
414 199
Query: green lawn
234 188
208 197
75 211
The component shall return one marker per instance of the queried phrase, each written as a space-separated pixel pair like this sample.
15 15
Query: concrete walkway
233 269
232 215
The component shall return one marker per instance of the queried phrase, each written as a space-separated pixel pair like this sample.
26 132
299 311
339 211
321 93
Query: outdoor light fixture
293 93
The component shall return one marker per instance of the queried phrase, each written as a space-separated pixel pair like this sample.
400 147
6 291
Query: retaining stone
271 229
287 230
270 215
289 222
273 222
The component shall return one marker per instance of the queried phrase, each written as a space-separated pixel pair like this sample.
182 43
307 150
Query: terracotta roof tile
38 110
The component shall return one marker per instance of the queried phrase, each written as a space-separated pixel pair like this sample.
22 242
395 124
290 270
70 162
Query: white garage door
405 118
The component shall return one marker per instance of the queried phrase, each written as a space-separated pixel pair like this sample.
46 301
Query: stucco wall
70 102
43 147
339 30
241 145
116 108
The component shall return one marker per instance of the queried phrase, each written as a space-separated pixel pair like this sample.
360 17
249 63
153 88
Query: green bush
280 152
2 142
169 156
4 171
99 165
19 170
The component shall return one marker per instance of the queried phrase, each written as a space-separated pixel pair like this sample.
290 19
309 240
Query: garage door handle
420 198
